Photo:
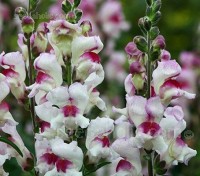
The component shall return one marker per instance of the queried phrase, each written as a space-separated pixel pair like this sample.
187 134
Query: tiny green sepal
79 14
5 140
141 43
154 32
66 6
156 5
76 3
156 18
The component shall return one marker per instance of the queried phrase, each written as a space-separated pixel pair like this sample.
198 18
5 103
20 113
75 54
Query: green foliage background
179 23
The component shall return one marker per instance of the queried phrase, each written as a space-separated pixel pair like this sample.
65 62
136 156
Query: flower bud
86 27
165 55
156 17
144 23
28 25
157 5
132 50
21 12
136 67
138 81
159 42
154 32
141 43
71 16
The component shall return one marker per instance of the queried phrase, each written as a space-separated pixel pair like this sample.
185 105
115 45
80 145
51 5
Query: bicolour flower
146 116
89 70
165 84
112 18
97 141
8 126
14 74
55 157
65 106
82 45
129 162
95 100
173 125
60 36
49 75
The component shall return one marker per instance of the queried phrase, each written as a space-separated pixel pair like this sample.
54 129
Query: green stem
69 72
149 71
150 165
30 71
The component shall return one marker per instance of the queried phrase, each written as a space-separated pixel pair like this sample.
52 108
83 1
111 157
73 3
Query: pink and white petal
46 111
99 127
159 144
69 172
69 151
48 63
136 109
4 87
14 61
59 96
165 71
95 77
82 121
155 109
129 87
79 95
82 44
126 150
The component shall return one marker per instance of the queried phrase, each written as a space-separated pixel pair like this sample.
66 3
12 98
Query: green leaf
66 6
97 167
76 3
5 140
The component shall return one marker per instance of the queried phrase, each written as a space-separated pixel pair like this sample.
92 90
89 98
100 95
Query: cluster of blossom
12 79
62 106
108 21
158 127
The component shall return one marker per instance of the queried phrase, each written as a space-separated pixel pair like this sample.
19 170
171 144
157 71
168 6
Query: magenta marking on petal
104 141
115 18
92 56
70 110
150 128
42 77
63 165
4 106
44 125
180 142
50 158
10 73
124 165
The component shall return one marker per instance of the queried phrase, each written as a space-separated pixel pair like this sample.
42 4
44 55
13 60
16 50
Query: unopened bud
157 5
138 81
136 67
21 12
86 27
28 24
159 42
144 23
149 2
156 17
141 43
154 32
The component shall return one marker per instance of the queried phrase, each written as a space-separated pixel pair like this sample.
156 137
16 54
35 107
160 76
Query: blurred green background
179 24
